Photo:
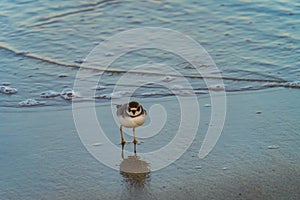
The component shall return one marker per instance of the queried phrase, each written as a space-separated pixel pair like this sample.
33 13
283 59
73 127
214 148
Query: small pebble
198 167
224 168
258 112
207 105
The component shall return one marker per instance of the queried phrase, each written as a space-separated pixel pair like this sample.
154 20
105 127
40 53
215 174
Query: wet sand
256 157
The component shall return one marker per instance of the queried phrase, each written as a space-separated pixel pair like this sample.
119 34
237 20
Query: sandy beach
256 157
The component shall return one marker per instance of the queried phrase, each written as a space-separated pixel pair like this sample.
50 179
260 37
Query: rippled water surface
253 43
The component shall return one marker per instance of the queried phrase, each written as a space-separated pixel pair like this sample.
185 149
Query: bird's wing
117 105
120 109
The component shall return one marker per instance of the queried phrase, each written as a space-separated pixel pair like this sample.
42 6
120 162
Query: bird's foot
123 142
137 142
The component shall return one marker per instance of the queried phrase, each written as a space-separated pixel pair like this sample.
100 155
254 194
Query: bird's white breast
130 122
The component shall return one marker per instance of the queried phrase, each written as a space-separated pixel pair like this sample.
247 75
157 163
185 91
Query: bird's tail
117 105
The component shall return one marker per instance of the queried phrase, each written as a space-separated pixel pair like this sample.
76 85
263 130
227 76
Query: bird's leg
135 149
134 138
123 151
122 137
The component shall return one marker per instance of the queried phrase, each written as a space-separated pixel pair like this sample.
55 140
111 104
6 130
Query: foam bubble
30 102
68 94
49 94
8 90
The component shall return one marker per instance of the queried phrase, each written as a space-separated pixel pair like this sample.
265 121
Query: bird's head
134 109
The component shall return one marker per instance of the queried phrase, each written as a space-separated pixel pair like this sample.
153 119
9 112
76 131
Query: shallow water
254 44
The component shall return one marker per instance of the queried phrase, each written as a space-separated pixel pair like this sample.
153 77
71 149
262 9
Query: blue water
246 39
255 44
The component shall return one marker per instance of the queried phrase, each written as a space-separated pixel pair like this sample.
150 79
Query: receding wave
234 81
111 70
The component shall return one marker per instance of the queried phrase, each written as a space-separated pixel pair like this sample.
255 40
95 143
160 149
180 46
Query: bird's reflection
135 172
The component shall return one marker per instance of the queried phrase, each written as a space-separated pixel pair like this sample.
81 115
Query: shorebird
130 115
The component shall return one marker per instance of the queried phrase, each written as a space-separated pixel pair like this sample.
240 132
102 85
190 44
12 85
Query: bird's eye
139 109
129 110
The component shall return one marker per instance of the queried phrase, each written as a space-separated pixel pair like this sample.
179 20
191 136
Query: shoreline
43 156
